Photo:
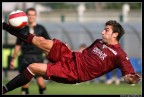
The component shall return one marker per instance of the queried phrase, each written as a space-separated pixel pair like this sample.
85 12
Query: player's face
31 16
107 34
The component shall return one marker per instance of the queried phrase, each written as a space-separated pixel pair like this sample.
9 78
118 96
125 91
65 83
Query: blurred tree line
59 5
93 5
119 5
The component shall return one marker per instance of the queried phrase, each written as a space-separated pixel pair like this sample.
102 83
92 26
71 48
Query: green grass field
54 88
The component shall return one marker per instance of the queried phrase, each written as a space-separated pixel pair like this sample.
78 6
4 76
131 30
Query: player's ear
115 35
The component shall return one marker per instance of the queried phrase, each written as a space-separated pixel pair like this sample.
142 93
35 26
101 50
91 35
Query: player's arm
16 51
132 78
25 36
128 72
17 48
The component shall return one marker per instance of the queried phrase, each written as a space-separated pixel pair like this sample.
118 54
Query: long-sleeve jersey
100 58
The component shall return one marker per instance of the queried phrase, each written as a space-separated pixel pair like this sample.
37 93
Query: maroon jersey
100 58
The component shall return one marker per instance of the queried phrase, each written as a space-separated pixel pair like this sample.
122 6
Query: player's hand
12 64
132 78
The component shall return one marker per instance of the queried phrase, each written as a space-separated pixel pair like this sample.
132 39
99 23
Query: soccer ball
18 19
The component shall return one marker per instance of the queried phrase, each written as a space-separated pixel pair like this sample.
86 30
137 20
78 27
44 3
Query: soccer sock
19 80
25 90
21 33
4 89
42 90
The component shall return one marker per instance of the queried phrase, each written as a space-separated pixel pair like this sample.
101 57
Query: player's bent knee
38 68
33 68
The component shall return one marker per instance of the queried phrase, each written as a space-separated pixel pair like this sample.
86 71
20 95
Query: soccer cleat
4 89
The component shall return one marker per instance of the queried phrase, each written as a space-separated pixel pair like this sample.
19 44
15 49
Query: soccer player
30 53
69 67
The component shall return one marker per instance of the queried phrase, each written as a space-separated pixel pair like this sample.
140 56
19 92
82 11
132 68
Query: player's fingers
137 75
137 78
11 66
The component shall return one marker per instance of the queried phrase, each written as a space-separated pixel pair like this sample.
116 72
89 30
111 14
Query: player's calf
19 80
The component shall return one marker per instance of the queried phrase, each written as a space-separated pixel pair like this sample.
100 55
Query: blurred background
77 23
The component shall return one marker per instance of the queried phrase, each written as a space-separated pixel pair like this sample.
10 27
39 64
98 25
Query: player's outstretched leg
21 33
25 36
20 80
25 77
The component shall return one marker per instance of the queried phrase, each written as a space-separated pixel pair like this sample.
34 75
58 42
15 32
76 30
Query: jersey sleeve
125 65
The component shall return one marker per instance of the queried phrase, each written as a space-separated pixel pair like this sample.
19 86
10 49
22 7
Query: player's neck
32 24
113 42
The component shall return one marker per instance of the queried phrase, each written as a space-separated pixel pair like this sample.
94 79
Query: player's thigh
43 43
59 52
38 68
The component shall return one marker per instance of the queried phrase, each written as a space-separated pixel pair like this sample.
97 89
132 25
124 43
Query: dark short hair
30 9
116 27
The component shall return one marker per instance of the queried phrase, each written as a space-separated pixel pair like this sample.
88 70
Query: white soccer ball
18 19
